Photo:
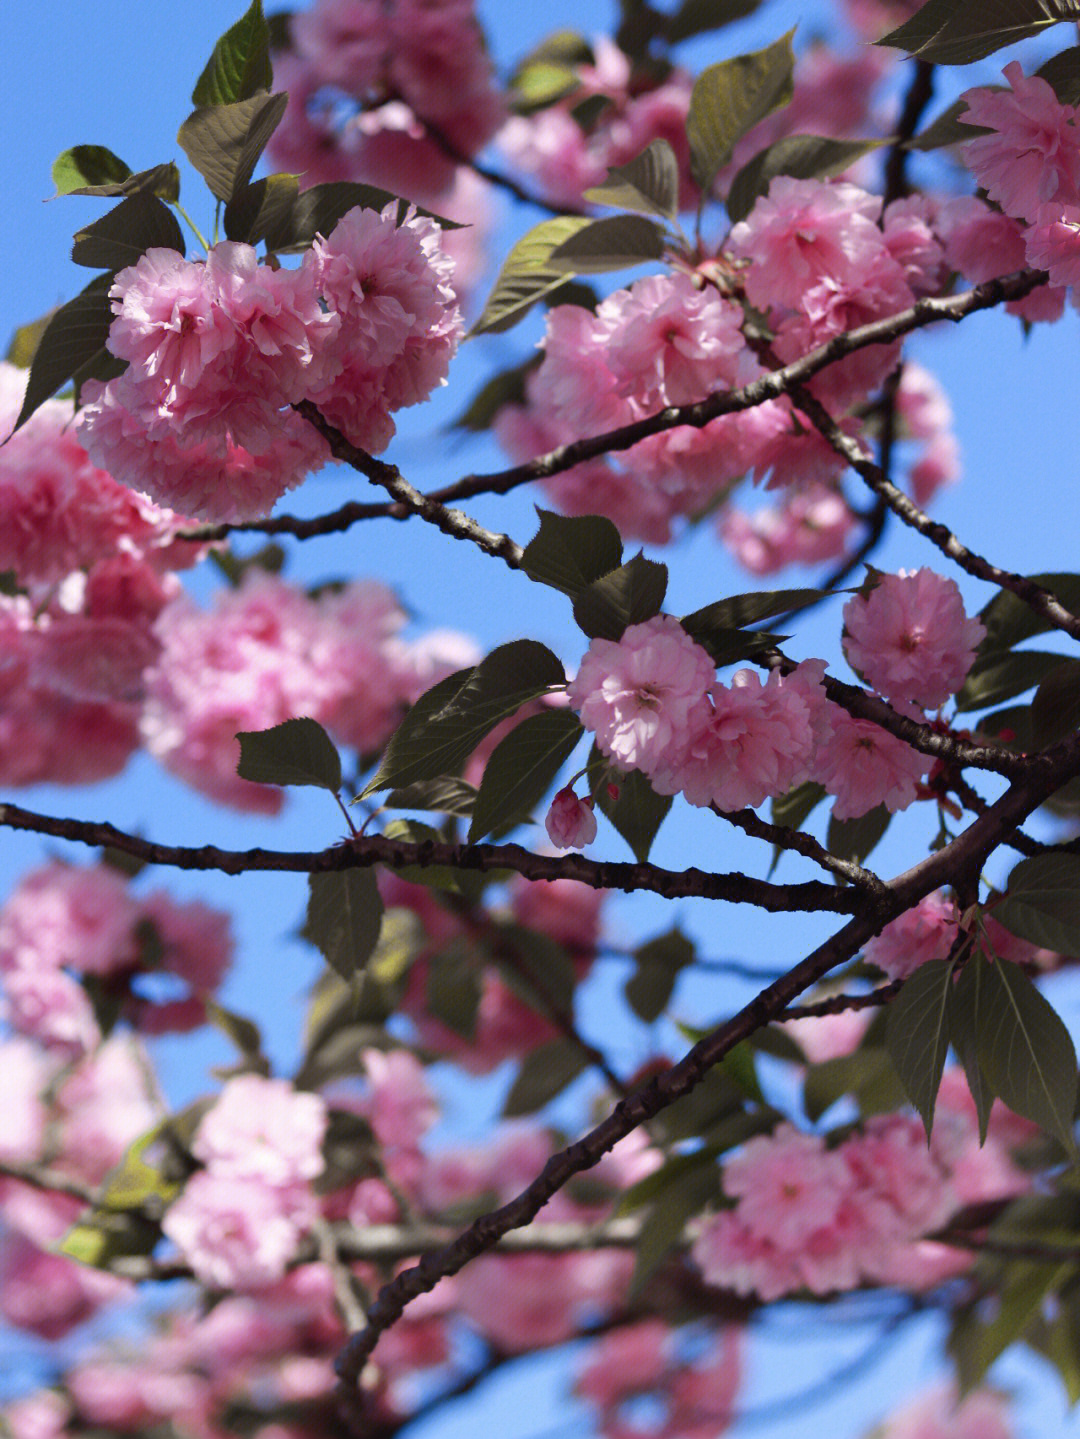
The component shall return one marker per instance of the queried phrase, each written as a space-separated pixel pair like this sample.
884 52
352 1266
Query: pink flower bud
570 821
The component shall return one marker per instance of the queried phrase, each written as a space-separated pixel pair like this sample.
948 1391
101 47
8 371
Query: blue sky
121 75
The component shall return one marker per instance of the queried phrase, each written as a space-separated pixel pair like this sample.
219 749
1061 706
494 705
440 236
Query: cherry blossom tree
885 1127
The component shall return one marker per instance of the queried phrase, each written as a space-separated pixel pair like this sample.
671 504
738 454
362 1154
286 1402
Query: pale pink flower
788 1185
401 1106
827 1036
69 915
27 1071
265 1130
49 1294
570 821
237 1233
628 1361
922 933
563 909
41 1415
910 638
908 230
809 526
982 243
864 765
52 1008
1053 243
1034 155
643 695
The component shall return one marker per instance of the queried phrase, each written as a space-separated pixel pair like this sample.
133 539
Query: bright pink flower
49 1294
53 1009
982 243
1053 243
626 1362
27 1071
563 909
237 1233
1034 155
570 821
910 638
265 1130
69 915
864 766
922 933
643 695
788 1185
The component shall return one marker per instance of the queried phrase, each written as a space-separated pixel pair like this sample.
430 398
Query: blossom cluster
218 351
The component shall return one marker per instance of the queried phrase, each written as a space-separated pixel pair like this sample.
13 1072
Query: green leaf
1057 1338
240 64
657 966
527 274
299 751
160 180
1042 903
1008 620
917 1034
537 968
650 182
959 32
1025 1051
948 128
446 793
25 341
262 208
103 1236
741 610
522 768
569 552
1062 73
1001 677
666 1223
980 1333
695 17
87 166
548 73
441 737
74 338
855 839
1055 710
610 244
542 1075
637 813
806 157
505 388
224 142
794 808
627 596
316 210
967 1000
868 1075
344 916
729 99
453 988
243 1033
139 223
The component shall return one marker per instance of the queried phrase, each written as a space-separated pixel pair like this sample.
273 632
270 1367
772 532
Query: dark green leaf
299 751
729 99
160 180
1062 73
1042 903
868 1076
348 1150
806 157
505 388
980 1333
73 338
224 142
86 166
527 274
637 813
139 223
1011 727
432 876
344 915
657 965
1003 676
609 244
570 551
240 65
1055 710
666 1223
543 1074
855 839
1057 1338
1025 1051
948 128
439 741
548 73
316 210
959 32
537 968
739 611
695 17
418 719
650 182
446 793
966 1015
1009 620
521 770
917 1034
793 809
453 989
262 208
103 1236
627 596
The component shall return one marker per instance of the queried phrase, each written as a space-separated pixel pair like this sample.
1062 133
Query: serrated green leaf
527 274
261 208
1001 677
806 157
74 337
729 99
453 988
240 64
299 752
637 813
344 916
569 552
1055 710
1062 73
696 17
123 235
649 182
441 737
87 165
1026 1053
522 768
160 180
224 142
855 839
614 243
542 1075
446 793
966 1016
626 596
1042 902
738 611
917 1034
1008 620
959 32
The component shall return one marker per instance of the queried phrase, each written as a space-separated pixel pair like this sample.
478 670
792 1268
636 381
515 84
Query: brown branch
784 837
843 1003
369 850
49 1181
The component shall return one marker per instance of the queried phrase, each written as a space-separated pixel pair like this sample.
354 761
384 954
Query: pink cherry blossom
808 526
1053 243
570 821
983 243
942 1414
401 1106
864 765
265 1130
237 1233
923 933
910 637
